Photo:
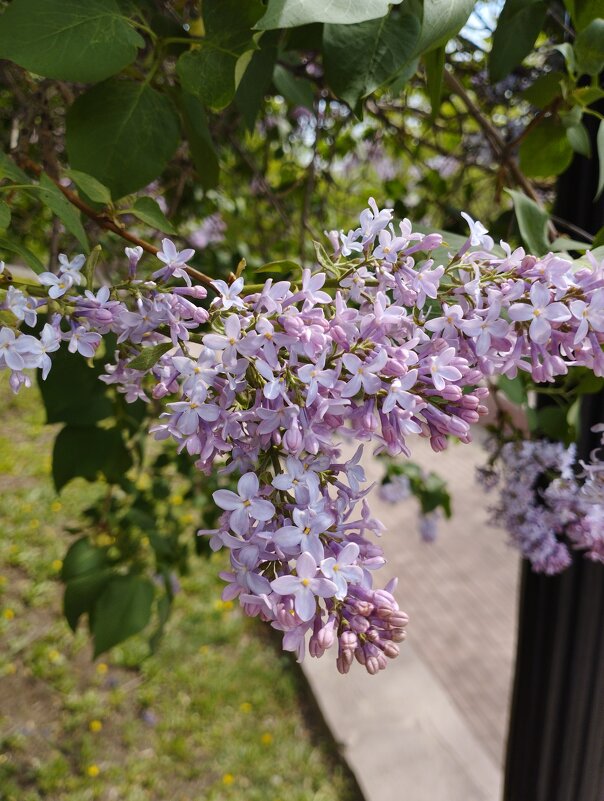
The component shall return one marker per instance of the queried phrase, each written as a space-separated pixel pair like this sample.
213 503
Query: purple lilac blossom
264 383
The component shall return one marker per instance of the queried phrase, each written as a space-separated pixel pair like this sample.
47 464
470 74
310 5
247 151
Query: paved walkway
432 726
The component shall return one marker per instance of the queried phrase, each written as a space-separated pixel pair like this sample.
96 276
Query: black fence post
555 746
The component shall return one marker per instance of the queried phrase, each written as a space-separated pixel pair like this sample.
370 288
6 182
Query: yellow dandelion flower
95 725
228 779
8 614
54 656
176 500
56 506
266 738
93 771
102 668
34 523
57 564
245 707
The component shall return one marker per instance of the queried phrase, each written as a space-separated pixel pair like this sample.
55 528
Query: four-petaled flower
244 504
541 312
343 569
305 587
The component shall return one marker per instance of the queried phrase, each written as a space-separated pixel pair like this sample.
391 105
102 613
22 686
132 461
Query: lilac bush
391 339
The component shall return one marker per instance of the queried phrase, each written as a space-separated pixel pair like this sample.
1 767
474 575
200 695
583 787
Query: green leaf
434 63
545 89
589 48
202 148
94 189
72 40
87 451
51 196
148 210
584 11
440 20
8 168
81 594
86 402
532 221
562 243
293 13
513 388
123 133
82 558
552 422
208 70
16 247
600 147
123 609
517 29
4 214
257 79
579 139
297 91
361 57
545 151
150 356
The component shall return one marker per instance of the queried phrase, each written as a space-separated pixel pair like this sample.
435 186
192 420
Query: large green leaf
600 146
292 13
82 558
51 196
545 151
298 91
73 40
532 221
148 210
81 594
87 451
361 57
203 152
90 186
589 48
123 133
208 71
86 402
123 609
440 20
517 29
257 79
6 243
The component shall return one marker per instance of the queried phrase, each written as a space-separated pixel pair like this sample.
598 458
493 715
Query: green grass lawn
217 713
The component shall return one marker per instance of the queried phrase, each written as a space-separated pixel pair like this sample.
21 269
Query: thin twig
108 224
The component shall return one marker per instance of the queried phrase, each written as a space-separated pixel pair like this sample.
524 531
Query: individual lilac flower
478 233
311 286
275 385
426 283
305 533
589 314
355 473
227 342
72 268
440 368
296 474
13 349
304 587
229 293
399 395
50 341
315 375
363 373
84 342
190 413
59 284
484 328
23 307
373 220
389 247
541 312
350 243
175 262
343 569
244 504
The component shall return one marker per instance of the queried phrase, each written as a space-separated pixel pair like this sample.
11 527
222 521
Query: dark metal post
556 735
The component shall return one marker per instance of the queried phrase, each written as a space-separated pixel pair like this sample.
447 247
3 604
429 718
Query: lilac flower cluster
392 339
547 508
